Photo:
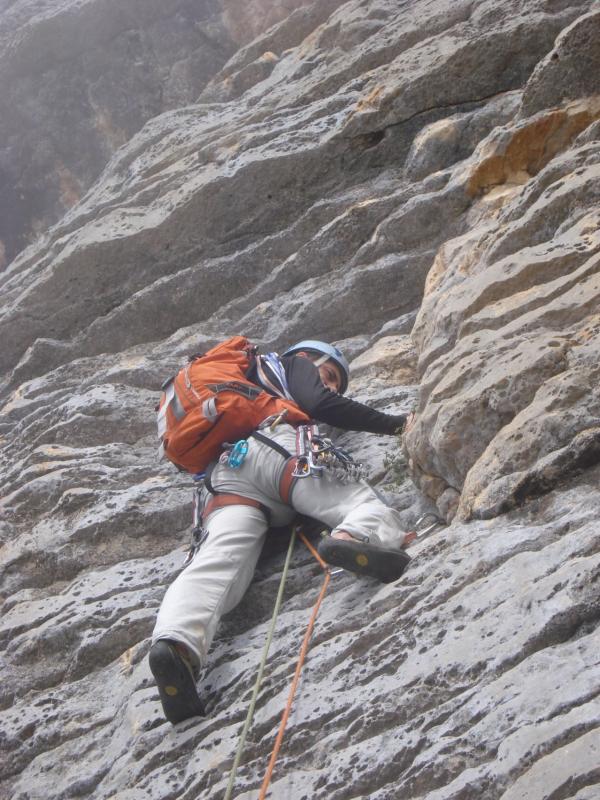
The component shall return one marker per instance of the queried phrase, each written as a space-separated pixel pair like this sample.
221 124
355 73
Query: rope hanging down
296 678
301 657
261 669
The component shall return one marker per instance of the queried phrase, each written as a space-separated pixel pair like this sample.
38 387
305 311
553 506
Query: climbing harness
296 678
315 454
204 505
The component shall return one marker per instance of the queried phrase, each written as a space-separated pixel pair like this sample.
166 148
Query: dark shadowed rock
77 80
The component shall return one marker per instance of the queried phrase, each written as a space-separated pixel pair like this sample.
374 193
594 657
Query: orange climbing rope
323 564
303 649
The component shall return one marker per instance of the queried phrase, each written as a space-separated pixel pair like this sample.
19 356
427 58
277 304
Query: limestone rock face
418 182
508 333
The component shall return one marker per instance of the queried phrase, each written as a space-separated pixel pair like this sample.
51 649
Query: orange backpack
211 401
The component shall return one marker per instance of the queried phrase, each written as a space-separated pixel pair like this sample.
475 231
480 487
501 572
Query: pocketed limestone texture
508 332
418 182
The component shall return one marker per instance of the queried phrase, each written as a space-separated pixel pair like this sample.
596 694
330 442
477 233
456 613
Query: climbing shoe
364 558
174 676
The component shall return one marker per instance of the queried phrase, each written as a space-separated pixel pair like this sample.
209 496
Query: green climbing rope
261 669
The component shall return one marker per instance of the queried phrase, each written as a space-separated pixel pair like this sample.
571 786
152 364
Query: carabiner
237 454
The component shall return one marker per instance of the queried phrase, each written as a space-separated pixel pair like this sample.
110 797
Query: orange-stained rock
516 155
508 329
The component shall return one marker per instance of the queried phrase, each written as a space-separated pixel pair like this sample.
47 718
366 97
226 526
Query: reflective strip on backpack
177 407
188 382
161 417
244 389
209 410
173 401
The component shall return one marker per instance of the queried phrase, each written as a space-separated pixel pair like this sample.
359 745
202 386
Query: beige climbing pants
222 569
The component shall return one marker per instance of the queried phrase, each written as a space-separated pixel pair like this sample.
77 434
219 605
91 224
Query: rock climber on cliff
273 475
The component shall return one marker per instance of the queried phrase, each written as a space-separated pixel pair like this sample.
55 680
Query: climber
263 484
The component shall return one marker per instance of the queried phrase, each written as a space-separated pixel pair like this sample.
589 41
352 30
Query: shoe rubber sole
176 686
364 559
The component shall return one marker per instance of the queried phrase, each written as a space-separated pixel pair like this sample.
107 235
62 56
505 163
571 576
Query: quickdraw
199 533
316 453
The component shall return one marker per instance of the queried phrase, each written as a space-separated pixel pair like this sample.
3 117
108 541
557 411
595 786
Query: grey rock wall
419 182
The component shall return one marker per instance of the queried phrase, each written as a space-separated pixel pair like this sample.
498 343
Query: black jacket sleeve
323 405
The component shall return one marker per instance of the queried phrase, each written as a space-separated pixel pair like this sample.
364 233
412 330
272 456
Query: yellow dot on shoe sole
362 560
171 690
